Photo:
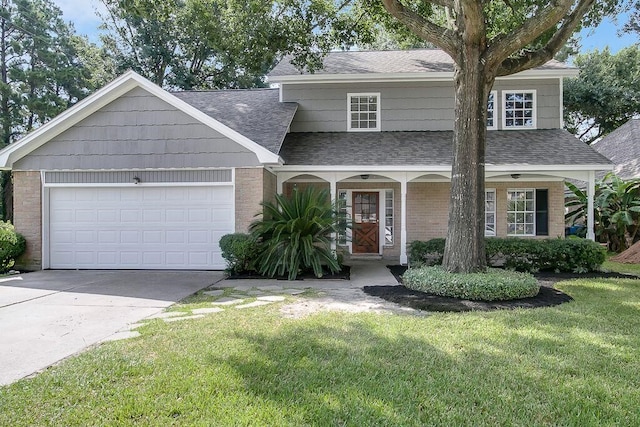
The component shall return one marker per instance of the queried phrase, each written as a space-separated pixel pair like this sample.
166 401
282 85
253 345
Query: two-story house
138 177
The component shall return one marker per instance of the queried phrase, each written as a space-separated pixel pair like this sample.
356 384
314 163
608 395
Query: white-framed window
519 109
492 110
490 212
388 218
363 112
521 212
342 205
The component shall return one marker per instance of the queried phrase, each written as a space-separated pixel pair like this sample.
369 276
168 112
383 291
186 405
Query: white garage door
139 227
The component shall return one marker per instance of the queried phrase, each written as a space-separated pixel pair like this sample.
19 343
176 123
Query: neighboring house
622 147
137 177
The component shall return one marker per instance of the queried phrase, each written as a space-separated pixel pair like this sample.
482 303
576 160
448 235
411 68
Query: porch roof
555 147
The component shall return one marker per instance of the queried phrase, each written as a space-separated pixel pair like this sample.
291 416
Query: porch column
403 224
279 184
591 194
333 188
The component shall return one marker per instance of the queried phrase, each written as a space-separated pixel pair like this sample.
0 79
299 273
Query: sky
83 15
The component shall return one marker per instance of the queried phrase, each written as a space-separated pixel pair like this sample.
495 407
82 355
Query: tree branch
502 46
545 53
442 37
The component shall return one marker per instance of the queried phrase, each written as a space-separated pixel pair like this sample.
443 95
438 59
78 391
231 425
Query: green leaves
295 234
605 95
213 44
492 285
616 210
40 64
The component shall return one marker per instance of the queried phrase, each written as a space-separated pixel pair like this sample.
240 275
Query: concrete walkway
49 315
331 295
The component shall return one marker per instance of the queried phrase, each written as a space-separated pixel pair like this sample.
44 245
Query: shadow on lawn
362 374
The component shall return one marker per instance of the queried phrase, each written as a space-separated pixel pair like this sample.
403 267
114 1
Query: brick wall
27 213
269 186
250 186
428 208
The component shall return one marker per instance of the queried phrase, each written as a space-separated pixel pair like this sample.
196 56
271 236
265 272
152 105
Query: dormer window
492 111
363 112
519 110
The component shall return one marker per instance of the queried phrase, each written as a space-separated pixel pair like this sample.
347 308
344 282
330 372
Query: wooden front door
365 223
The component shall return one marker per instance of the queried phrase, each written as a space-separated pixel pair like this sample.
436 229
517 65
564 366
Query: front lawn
574 364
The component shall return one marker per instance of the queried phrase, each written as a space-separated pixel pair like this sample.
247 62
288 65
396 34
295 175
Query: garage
137 225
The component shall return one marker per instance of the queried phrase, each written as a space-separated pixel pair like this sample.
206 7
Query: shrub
426 253
561 255
240 251
12 245
492 285
295 234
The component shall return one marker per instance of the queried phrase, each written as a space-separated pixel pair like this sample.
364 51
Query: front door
365 223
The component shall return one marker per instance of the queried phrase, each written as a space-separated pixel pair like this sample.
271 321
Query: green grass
576 364
620 267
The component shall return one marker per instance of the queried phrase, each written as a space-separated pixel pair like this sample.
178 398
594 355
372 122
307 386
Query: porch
393 208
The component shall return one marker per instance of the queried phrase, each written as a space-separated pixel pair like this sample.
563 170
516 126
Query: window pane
388 217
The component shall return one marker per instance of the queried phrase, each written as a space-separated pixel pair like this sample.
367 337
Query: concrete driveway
46 316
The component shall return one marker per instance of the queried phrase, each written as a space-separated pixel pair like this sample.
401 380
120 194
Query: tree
605 95
205 44
41 72
633 25
486 39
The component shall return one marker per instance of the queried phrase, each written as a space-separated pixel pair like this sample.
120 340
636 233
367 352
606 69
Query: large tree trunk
465 246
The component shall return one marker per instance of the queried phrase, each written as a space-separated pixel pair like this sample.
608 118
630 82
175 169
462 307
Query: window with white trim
519 109
342 205
363 112
490 212
492 111
388 218
521 212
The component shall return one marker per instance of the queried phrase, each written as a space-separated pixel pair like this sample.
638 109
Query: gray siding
128 177
547 97
406 106
138 130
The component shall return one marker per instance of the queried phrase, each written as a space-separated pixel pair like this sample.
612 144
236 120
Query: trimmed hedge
12 245
492 285
240 251
560 255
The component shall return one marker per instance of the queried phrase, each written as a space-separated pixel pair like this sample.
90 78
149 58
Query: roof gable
108 94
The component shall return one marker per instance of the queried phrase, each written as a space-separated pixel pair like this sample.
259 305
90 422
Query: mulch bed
344 274
547 297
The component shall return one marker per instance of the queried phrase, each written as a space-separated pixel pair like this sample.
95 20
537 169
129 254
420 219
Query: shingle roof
390 61
254 113
622 146
528 147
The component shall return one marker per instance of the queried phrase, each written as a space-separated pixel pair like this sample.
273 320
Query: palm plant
295 234
616 210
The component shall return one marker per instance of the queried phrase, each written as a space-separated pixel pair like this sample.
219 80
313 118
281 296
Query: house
137 177
622 146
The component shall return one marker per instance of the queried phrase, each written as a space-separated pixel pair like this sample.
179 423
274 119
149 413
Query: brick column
249 194
27 214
